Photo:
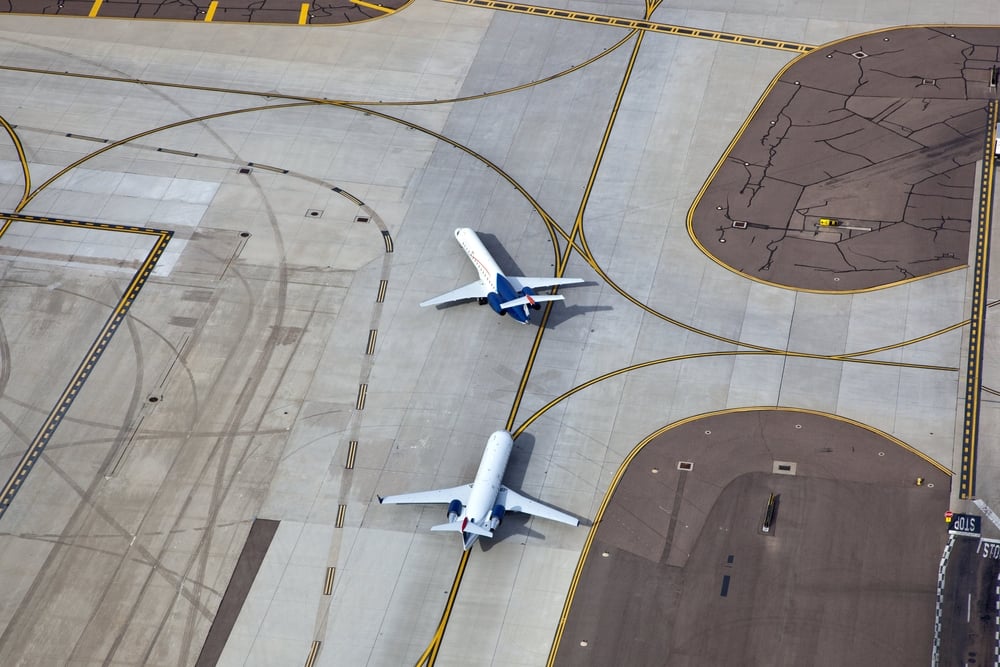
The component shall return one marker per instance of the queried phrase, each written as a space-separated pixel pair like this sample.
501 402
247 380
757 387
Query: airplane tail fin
531 300
464 526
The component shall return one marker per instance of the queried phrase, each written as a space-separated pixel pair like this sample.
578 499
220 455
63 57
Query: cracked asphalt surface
242 11
836 135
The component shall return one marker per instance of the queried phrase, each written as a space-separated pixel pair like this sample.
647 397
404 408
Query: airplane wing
474 290
520 282
515 502
443 496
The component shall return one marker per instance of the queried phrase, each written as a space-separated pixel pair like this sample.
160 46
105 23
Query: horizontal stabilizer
463 526
531 300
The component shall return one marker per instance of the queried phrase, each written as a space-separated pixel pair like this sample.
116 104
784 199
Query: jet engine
527 291
494 300
496 516
454 510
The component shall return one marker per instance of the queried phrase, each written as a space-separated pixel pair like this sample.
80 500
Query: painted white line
985 509
936 646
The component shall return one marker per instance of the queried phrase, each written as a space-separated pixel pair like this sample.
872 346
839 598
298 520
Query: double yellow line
429 656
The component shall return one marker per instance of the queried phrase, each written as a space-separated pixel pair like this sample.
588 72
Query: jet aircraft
505 294
476 509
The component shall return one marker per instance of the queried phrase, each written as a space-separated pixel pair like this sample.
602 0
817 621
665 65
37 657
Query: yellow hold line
378 8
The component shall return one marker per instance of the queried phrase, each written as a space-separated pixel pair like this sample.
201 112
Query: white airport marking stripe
985 509
936 648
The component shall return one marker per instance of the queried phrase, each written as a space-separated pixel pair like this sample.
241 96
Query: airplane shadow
517 466
516 524
500 254
513 526
567 312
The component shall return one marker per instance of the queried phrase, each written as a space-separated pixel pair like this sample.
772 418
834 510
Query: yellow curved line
701 355
550 223
580 246
912 341
22 158
562 261
321 100
732 144
731 341
612 487
554 227
121 142
429 656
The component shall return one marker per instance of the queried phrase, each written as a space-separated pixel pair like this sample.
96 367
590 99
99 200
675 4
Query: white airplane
476 509
505 294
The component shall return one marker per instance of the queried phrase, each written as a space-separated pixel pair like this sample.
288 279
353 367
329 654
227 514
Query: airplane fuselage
491 275
481 258
486 486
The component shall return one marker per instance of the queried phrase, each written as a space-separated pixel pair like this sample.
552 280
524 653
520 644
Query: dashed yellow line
352 453
96 7
313 654
348 195
328 584
210 14
429 655
977 321
304 13
638 24
86 367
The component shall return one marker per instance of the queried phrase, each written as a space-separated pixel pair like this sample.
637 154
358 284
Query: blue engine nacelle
496 516
454 510
527 291
494 300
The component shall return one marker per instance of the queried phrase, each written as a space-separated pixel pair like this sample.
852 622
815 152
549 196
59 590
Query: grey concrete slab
255 346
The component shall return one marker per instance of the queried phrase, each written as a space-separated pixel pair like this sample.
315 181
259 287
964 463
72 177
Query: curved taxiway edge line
655 434
750 117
